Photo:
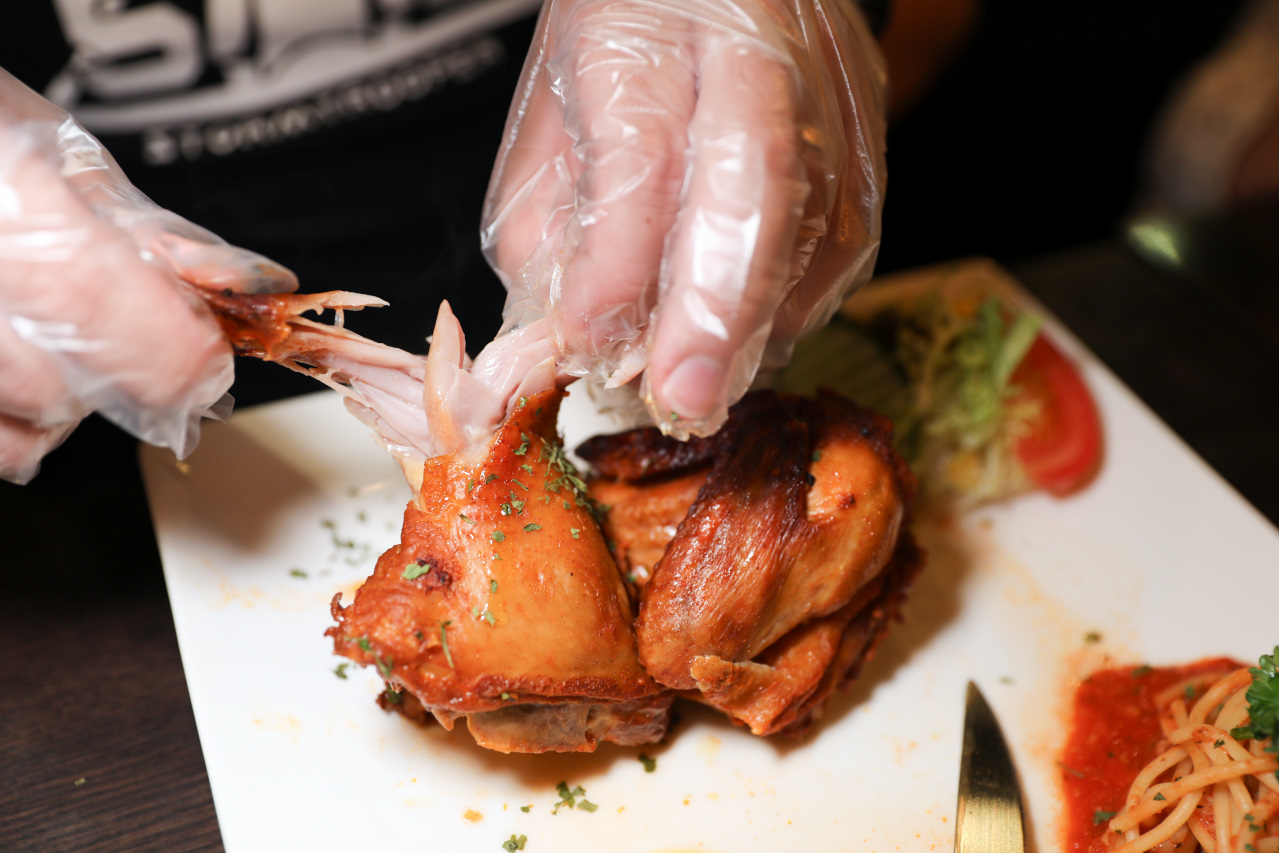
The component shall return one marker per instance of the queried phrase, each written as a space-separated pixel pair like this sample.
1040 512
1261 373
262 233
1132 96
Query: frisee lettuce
942 371
964 411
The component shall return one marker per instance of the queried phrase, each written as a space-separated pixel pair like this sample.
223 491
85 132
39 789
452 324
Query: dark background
1028 151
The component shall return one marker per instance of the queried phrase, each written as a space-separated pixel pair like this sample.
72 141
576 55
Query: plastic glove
687 186
91 317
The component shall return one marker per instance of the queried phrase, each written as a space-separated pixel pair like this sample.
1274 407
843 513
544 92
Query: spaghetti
1209 783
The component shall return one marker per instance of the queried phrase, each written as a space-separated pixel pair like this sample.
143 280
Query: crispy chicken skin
786 688
771 585
522 623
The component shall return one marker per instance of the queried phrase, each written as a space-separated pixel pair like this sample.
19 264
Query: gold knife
989 816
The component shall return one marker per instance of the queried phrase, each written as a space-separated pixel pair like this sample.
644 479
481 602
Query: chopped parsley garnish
384 666
526 808
79 782
587 806
475 612
521 485
515 843
1219 744
355 552
505 695
523 402
1263 704
558 461
650 764
1099 817
529 528
1092 637
340 670
1139 671
490 478
466 518
413 571
568 797
444 642
498 536
1079 774
674 416
363 643
817 456
392 696
470 484
1189 691
574 531
1263 697
493 585
527 467
1160 797
488 617
297 573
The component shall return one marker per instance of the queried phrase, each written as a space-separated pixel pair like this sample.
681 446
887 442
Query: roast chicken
501 603
754 570
768 559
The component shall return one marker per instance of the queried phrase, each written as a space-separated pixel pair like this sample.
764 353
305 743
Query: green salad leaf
942 371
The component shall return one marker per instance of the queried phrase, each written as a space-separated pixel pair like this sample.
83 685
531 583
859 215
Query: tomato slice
1062 451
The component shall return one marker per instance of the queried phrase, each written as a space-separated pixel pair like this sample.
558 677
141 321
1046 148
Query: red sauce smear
1114 733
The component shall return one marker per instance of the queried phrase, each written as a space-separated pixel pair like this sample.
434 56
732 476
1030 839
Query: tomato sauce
1114 734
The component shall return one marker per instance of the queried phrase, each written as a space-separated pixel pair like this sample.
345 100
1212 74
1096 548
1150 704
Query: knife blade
989 814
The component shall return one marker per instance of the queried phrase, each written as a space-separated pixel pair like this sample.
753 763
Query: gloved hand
687 186
91 317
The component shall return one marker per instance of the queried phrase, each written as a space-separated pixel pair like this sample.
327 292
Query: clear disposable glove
91 314
687 186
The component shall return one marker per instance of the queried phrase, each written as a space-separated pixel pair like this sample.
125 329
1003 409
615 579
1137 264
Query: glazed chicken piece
768 559
501 603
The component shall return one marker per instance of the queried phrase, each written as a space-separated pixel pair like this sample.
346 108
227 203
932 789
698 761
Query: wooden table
98 746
